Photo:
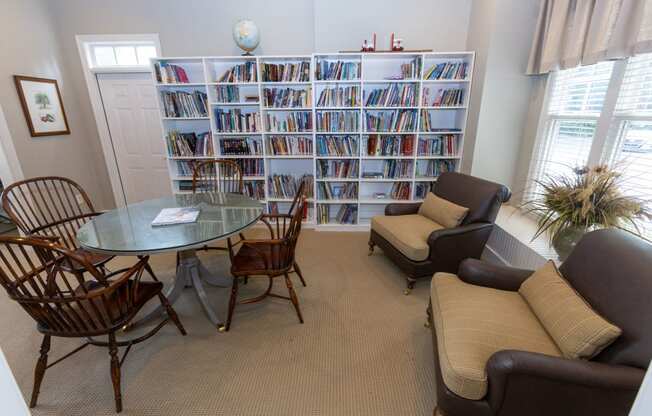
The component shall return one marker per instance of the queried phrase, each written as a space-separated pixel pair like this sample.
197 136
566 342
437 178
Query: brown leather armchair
611 270
448 246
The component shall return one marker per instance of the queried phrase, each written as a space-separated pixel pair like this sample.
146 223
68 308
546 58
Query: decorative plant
42 99
586 199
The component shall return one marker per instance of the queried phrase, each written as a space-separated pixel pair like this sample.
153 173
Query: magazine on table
172 216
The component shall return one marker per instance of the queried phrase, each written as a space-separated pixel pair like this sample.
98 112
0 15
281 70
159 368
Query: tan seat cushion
472 323
442 211
407 233
578 330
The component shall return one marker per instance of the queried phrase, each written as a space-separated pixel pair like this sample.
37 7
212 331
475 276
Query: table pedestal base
191 274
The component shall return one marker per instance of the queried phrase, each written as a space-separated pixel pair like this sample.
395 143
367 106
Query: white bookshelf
204 74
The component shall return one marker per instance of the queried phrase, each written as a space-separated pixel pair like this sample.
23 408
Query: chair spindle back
217 176
48 206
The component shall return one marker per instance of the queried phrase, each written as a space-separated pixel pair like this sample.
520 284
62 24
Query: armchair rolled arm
402 209
449 246
561 386
482 273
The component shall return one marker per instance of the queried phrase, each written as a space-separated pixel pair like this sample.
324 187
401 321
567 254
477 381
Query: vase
566 240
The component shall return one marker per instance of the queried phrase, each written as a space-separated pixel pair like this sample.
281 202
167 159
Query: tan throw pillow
578 330
442 212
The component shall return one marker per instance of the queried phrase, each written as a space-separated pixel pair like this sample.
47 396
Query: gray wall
29 47
500 103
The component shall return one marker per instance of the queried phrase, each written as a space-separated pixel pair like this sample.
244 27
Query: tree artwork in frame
42 105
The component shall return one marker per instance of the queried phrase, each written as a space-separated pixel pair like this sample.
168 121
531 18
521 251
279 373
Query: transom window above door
120 54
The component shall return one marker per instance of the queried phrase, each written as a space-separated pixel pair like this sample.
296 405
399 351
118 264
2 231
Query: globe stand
247 54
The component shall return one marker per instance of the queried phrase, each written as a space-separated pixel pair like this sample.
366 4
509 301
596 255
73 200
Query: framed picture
42 105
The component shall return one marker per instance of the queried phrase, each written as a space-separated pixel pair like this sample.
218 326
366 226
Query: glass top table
129 231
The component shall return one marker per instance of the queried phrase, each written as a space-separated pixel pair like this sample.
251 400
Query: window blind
580 91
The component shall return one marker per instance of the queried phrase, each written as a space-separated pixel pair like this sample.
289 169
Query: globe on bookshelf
246 35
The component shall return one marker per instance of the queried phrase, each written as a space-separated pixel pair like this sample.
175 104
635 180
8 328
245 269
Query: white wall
30 47
501 104
422 24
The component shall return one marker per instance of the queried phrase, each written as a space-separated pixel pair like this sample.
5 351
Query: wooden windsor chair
54 208
217 176
46 280
269 258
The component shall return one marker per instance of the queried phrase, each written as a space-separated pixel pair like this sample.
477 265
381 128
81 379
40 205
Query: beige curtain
582 32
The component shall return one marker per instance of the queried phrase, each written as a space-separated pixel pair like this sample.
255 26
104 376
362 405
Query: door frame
10 169
97 105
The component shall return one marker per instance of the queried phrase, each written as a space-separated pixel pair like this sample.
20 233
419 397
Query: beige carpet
362 351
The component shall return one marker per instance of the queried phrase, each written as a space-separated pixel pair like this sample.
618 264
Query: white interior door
132 115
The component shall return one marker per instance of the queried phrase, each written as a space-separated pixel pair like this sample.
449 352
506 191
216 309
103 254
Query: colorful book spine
236 121
241 146
286 72
389 145
392 121
447 70
189 144
394 95
337 121
245 72
439 145
289 145
296 121
182 104
339 97
337 70
337 169
337 145
287 97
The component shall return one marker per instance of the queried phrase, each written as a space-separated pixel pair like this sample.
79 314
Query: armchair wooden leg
410 286
39 372
437 412
232 302
371 247
293 296
115 372
172 313
298 271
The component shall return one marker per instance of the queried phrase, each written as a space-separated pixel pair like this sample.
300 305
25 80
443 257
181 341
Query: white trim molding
10 169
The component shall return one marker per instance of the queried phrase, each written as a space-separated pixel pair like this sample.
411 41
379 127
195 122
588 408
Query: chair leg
115 372
39 372
172 313
232 302
293 296
150 271
371 247
410 286
298 271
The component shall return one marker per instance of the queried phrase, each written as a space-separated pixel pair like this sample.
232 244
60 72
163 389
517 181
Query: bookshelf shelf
243 91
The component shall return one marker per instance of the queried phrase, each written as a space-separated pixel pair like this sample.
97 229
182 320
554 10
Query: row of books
421 189
439 145
447 70
391 169
394 95
390 145
331 169
335 121
286 72
411 70
185 167
434 168
189 144
339 97
245 72
287 97
346 214
338 70
337 145
400 190
227 94
170 73
298 121
286 186
251 167
289 145
241 146
236 121
184 104
330 190
255 189
448 97
428 126
398 121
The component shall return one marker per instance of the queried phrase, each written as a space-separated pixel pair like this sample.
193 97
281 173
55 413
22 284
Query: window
600 114
120 54
576 101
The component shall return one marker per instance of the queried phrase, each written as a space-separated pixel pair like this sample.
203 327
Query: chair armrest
559 386
449 246
482 273
402 209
